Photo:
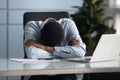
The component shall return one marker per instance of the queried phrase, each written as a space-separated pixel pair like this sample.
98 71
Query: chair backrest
37 16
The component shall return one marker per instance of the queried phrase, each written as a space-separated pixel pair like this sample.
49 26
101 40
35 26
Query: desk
12 68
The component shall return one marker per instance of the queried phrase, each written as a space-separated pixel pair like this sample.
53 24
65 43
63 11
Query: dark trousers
54 77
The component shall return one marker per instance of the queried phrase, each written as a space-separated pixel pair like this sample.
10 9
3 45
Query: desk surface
12 68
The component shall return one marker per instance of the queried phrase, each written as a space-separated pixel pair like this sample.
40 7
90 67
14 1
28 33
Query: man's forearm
39 45
46 48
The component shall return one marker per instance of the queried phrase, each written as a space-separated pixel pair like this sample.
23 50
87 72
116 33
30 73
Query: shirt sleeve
32 31
67 51
33 52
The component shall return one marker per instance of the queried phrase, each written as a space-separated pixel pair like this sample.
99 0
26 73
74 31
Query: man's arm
32 33
31 42
69 49
49 49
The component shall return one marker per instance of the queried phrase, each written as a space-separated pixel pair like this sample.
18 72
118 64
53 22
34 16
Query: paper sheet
32 60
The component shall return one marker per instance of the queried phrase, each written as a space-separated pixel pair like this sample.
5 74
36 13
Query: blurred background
11 21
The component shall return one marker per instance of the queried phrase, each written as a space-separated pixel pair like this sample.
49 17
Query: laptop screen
108 48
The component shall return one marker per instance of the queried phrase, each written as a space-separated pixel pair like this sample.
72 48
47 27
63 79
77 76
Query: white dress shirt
32 31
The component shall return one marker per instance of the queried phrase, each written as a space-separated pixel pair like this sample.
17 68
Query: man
54 39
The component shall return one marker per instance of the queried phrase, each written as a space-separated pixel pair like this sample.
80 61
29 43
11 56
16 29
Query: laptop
107 49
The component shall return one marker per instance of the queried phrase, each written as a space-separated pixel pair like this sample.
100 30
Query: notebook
107 49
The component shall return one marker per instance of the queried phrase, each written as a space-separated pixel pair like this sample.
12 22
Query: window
117 2
114 6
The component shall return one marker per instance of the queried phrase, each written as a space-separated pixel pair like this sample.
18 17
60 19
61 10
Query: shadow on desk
102 76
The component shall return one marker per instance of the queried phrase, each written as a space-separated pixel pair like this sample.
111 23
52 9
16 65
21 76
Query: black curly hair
52 33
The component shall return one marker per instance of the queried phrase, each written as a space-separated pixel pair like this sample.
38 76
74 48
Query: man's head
52 33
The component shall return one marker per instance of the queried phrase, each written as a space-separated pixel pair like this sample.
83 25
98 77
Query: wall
11 22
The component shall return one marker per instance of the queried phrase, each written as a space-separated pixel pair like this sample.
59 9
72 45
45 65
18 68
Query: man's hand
31 42
74 42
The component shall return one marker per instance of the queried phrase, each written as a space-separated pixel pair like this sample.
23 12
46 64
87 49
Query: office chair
37 16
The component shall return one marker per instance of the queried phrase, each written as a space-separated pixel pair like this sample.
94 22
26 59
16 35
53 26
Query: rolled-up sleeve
70 51
33 52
